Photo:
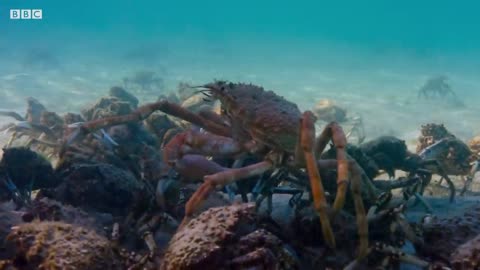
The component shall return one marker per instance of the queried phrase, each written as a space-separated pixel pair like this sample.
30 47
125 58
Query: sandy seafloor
378 85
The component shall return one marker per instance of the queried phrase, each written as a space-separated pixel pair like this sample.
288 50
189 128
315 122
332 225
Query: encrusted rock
56 245
201 239
45 209
226 238
100 187
467 256
442 236
8 218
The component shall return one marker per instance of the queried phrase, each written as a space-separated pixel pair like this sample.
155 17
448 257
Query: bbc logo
26 14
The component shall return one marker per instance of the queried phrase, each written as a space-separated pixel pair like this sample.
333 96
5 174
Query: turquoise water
369 56
417 26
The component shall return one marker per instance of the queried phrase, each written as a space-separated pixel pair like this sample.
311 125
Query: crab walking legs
335 133
221 179
142 113
355 187
307 138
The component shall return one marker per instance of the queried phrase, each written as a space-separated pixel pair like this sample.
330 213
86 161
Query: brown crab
260 122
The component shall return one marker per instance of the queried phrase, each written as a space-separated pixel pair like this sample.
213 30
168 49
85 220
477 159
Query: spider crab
259 122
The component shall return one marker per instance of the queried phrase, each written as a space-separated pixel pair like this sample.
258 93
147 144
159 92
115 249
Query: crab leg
335 133
221 179
307 138
361 216
471 175
437 168
14 115
146 110
12 138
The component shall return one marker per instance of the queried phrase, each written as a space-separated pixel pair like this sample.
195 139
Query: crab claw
194 167
172 150
14 115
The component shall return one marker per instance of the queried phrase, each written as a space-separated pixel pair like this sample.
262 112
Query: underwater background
392 73
370 57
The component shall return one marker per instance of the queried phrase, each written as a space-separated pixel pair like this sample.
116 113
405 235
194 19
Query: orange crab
260 122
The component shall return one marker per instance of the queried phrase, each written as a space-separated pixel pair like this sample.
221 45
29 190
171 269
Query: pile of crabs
224 176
